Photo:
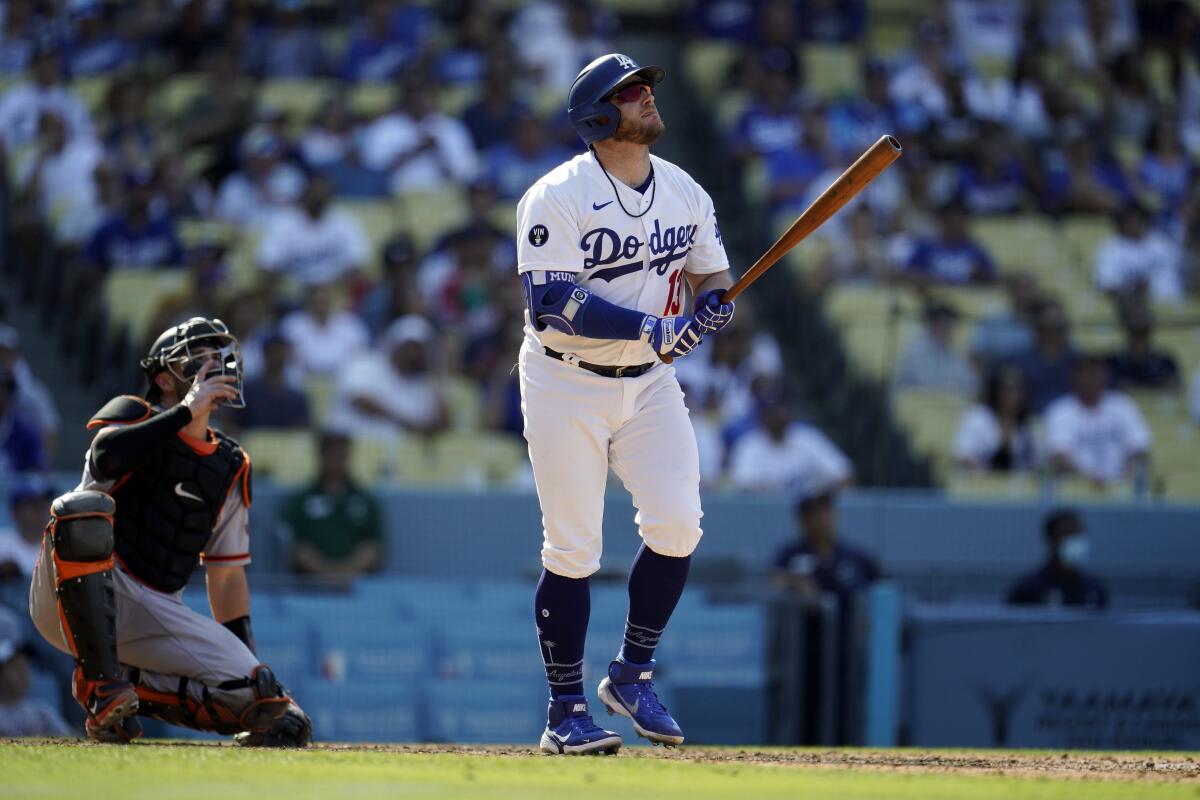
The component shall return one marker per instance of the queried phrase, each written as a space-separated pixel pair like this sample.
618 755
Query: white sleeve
1137 434
272 250
459 150
359 378
971 440
1059 428
1165 283
358 248
230 542
547 232
1108 273
830 462
708 251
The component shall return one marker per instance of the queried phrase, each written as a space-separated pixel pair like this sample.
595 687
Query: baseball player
606 243
161 492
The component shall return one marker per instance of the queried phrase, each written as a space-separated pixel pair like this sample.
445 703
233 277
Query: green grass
225 773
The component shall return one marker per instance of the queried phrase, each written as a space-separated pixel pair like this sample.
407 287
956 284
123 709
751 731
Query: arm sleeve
547 233
119 449
707 255
230 542
574 310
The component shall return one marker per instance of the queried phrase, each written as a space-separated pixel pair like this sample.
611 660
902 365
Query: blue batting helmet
591 115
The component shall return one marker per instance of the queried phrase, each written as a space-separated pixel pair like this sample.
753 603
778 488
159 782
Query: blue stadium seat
476 711
362 711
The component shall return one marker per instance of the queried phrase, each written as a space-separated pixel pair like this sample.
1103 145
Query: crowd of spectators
249 199
1004 107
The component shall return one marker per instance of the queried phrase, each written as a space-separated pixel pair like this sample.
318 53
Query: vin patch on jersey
539 235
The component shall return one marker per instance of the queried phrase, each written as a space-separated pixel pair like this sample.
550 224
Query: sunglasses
631 93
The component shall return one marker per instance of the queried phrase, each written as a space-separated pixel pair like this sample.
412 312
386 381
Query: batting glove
671 336
712 314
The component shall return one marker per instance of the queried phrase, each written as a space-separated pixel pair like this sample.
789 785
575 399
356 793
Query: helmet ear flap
596 121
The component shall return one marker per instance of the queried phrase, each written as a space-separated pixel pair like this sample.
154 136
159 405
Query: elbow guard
554 302
557 302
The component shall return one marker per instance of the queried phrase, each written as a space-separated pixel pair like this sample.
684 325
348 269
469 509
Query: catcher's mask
179 350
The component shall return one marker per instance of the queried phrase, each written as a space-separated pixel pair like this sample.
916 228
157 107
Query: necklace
620 202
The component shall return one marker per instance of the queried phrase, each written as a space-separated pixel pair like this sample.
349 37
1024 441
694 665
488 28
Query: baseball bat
875 160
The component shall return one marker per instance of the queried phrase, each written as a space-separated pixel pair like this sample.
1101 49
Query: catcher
162 492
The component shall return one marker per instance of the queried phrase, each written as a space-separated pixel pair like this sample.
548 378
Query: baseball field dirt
56 768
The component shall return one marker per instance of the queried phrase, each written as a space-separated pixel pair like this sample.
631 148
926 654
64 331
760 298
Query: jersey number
674 293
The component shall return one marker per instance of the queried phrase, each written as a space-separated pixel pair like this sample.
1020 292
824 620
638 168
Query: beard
639 131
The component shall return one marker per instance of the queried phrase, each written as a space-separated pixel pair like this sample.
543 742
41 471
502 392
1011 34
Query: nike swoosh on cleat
598 206
179 490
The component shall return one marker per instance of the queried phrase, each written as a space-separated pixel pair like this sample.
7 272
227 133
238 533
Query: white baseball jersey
571 225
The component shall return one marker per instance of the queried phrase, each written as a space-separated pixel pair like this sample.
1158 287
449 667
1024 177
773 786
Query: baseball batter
606 243
162 491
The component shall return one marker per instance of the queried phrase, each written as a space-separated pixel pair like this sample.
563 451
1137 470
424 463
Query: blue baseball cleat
629 691
571 731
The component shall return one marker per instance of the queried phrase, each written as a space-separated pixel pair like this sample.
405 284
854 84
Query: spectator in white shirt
327 140
1095 433
783 455
315 243
324 338
392 391
930 361
21 107
29 509
57 181
995 434
420 147
248 197
1139 260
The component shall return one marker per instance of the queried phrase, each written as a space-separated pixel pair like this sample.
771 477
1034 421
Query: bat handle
666 359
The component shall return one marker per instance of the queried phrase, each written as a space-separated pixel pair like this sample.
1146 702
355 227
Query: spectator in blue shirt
271 401
953 257
479 32
387 41
1049 364
493 115
819 562
772 122
855 123
515 165
1139 365
1166 173
289 46
96 47
789 172
992 181
20 445
1076 179
138 237
1061 580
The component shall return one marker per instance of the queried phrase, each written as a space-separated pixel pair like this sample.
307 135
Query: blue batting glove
712 313
671 336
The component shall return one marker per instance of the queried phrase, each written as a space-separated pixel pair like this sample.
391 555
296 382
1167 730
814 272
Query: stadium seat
319 390
429 214
286 456
179 92
93 91
474 458
1081 237
463 402
707 64
831 71
1023 242
370 100
931 418
298 98
132 296
379 221
372 459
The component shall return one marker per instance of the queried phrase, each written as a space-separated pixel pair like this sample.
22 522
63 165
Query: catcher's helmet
591 115
175 350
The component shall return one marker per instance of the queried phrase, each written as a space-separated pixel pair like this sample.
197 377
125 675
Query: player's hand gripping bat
875 160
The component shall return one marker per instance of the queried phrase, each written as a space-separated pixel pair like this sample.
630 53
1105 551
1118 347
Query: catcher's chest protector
166 510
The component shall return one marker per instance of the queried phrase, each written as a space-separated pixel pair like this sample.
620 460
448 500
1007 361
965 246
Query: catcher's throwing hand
206 393
712 313
672 337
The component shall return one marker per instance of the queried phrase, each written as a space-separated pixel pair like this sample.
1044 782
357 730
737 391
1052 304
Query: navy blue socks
655 585
561 609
